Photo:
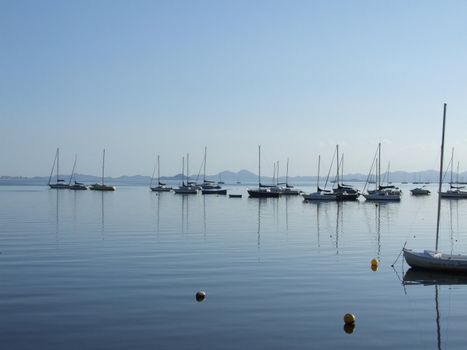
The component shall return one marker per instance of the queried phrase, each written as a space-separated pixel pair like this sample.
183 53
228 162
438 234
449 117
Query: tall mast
53 167
440 178
158 171
457 180
58 162
379 165
277 177
205 151
73 170
183 171
274 173
259 166
342 169
188 168
153 172
337 160
319 164
287 174
103 165
452 163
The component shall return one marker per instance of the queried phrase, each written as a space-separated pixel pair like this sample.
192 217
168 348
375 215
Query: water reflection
436 279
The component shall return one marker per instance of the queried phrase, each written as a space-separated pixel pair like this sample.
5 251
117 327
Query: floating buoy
374 262
349 319
374 268
200 296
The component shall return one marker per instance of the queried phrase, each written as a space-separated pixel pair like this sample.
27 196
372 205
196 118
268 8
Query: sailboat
289 190
454 191
161 187
436 260
102 186
381 193
59 183
76 186
262 191
185 188
343 192
210 187
320 194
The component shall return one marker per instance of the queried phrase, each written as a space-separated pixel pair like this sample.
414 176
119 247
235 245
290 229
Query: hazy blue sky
169 77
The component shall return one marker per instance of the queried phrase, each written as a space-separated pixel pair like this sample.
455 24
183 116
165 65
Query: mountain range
242 176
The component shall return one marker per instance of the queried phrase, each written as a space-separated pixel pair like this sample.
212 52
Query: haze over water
120 270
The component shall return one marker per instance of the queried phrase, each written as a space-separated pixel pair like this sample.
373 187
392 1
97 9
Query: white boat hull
436 261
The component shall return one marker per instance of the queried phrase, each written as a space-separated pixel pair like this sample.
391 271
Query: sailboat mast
58 163
457 178
452 163
379 165
103 165
53 167
259 166
319 164
342 169
274 174
337 160
158 171
183 171
440 178
188 168
287 174
204 176
73 170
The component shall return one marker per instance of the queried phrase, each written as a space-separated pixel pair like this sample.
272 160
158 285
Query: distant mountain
230 177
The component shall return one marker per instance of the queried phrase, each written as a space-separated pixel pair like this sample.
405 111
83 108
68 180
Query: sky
141 78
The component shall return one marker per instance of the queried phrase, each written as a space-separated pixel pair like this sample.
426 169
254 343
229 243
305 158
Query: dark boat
263 191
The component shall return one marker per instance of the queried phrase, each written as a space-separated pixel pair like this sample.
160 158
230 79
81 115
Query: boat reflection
437 279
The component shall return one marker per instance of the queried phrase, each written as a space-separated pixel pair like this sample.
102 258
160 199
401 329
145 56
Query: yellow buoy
374 268
349 319
374 262
200 296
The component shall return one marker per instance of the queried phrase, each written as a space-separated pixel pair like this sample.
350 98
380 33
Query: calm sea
89 270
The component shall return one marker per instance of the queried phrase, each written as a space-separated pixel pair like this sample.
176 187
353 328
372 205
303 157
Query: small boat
235 196
262 191
59 183
161 187
436 260
76 186
343 192
320 194
454 191
210 187
102 186
381 193
288 190
420 191
214 191
185 188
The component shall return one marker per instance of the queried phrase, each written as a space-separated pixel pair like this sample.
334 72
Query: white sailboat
161 187
210 187
288 190
381 193
185 188
59 183
320 194
436 260
102 186
454 191
76 186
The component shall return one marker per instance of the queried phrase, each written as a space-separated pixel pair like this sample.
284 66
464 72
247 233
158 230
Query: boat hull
161 189
59 186
429 260
317 196
262 194
214 191
100 187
